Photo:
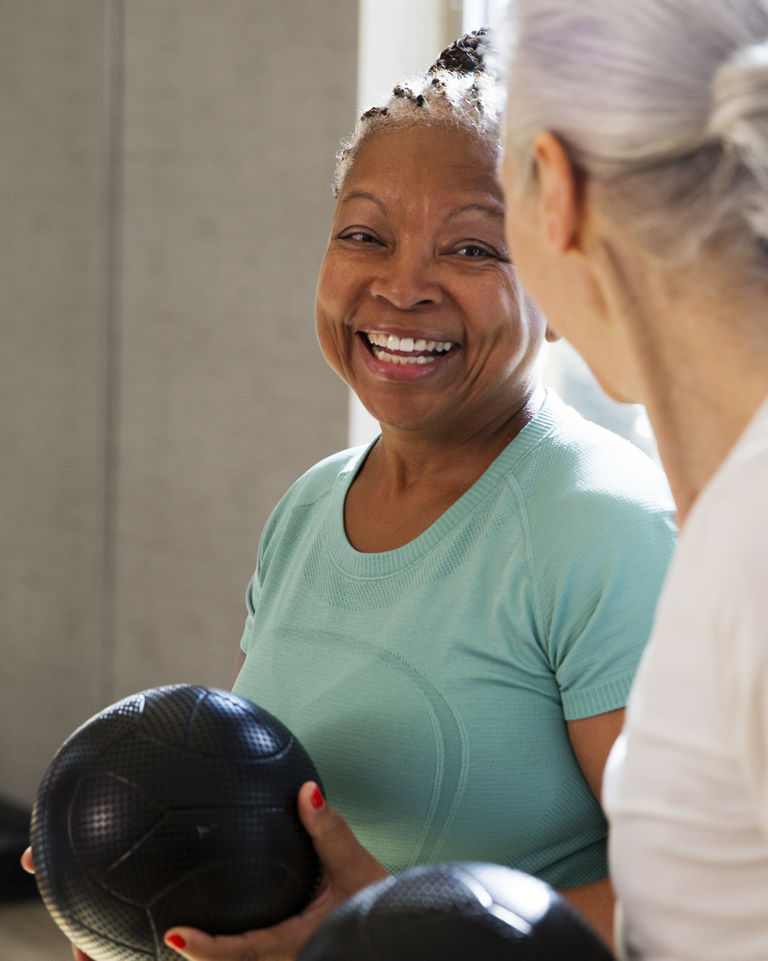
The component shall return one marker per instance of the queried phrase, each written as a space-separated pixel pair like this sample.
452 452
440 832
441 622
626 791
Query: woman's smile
402 358
406 350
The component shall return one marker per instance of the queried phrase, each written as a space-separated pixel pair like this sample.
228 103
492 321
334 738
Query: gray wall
165 169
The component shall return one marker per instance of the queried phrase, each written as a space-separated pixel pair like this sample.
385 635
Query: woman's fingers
79 955
279 943
28 864
347 865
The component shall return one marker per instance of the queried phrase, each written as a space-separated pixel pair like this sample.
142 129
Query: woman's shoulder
321 477
576 437
587 484
580 459
312 489
314 486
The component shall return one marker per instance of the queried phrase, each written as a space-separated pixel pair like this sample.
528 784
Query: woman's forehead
425 157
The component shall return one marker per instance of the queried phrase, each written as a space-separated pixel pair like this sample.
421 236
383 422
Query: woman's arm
238 666
591 739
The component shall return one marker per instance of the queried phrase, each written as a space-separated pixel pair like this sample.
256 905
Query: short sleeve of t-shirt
600 541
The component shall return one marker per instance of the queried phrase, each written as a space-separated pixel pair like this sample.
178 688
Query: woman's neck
704 382
410 478
464 451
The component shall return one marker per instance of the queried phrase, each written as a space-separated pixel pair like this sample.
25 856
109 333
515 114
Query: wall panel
52 370
165 167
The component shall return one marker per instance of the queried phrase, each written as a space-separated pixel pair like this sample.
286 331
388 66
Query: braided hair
461 89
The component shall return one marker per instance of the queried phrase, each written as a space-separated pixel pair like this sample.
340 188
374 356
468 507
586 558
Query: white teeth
391 342
381 354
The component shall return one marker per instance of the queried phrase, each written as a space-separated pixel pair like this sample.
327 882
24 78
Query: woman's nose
407 279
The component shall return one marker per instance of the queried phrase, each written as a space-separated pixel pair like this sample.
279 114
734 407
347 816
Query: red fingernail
317 798
176 941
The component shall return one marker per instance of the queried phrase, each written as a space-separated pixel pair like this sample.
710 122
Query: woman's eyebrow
364 195
492 209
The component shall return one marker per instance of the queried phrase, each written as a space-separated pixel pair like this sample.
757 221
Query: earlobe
557 191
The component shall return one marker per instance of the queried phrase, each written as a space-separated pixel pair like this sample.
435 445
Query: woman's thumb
345 861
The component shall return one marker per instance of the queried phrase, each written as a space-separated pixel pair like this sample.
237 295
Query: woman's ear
558 191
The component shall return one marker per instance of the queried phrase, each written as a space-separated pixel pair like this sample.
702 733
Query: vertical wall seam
112 125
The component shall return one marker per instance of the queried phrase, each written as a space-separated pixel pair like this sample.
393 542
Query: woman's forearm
596 903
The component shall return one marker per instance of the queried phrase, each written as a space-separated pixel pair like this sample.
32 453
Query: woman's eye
359 236
476 252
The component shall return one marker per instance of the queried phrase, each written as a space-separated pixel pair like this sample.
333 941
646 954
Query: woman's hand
79 955
28 864
347 867
26 861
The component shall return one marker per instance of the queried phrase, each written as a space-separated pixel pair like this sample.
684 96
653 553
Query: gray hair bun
663 104
740 100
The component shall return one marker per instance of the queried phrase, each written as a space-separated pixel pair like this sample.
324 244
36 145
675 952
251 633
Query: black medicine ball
175 806
456 912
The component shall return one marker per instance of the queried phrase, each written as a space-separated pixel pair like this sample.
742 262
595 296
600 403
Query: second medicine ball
456 912
175 806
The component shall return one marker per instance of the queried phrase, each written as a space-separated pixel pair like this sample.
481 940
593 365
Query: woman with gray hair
637 188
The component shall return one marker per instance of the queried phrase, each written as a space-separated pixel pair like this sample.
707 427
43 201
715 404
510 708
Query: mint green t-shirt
432 684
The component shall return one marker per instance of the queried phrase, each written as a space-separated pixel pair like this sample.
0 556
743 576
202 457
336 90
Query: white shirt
686 786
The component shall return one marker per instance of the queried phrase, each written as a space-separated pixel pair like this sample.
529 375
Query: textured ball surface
455 912
175 806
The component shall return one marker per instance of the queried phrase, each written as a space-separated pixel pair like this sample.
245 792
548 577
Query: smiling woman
449 618
417 254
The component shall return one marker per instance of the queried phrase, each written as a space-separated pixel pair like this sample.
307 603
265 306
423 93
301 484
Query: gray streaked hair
460 89
663 103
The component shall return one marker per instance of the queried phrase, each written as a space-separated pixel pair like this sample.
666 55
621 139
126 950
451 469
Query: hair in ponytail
662 103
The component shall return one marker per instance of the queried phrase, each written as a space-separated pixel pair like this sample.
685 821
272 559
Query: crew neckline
358 563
